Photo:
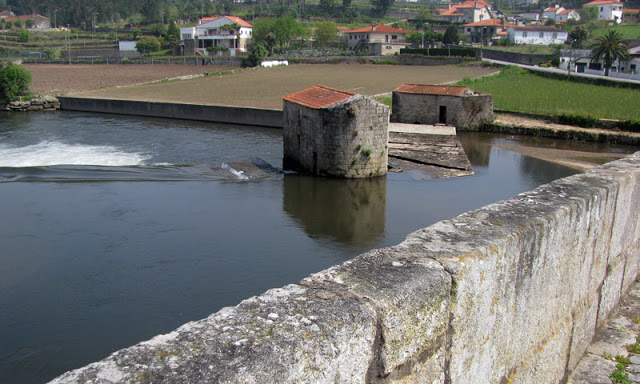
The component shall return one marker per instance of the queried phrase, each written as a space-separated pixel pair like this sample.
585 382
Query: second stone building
330 132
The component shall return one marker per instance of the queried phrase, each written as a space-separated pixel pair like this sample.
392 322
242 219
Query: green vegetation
147 44
627 30
14 82
515 89
608 49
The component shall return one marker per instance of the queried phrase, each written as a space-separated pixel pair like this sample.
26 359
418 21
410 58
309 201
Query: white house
580 60
468 12
217 36
551 12
608 10
540 35
377 39
566 15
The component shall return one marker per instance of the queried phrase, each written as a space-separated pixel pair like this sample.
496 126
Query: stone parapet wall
35 104
214 113
511 292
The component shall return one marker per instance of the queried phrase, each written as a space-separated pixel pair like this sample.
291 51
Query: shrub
14 82
29 23
147 44
258 53
460 52
24 36
52 53
577 120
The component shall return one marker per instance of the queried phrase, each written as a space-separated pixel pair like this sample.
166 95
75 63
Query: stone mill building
453 105
330 132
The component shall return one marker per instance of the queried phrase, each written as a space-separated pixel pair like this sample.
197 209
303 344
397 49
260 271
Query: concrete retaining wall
213 113
516 57
511 292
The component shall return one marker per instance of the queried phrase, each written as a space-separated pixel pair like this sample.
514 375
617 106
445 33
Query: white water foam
55 153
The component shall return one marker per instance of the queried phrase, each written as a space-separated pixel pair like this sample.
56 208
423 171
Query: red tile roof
489 23
565 12
629 10
233 19
602 2
26 17
318 96
473 4
552 9
239 21
441 90
379 28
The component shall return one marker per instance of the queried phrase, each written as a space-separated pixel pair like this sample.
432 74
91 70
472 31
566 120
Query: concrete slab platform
423 129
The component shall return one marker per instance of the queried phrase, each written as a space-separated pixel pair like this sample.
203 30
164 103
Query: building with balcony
223 35
608 10
468 12
377 40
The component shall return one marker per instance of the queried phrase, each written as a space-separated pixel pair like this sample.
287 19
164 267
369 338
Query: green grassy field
518 90
628 30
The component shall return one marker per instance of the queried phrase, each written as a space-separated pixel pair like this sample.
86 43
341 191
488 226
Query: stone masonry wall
476 111
465 112
349 138
511 292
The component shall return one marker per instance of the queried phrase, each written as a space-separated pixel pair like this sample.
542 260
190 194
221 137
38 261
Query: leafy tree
588 14
52 53
257 54
24 36
327 6
17 24
326 32
608 49
158 30
173 33
346 4
136 33
550 22
14 82
29 23
277 32
578 36
451 35
147 44
381 6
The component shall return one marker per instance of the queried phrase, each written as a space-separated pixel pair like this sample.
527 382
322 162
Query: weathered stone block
412 295
292 334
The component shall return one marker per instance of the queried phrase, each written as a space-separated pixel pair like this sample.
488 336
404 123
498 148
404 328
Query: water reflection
478 151
351 212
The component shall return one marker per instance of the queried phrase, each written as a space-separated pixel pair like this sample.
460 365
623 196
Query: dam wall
511 292
212 113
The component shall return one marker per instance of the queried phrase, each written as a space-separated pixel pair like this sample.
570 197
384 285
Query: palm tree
609 48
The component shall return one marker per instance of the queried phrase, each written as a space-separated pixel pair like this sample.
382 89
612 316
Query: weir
511 292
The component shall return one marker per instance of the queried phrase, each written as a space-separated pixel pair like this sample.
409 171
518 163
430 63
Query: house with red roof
214 36
608 10
377 39
336 133
454 105
486 29
470 11
39 21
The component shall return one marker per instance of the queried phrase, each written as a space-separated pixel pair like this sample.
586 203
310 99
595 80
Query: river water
115 229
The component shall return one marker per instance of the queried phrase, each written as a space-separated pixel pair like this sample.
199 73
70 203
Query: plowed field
260 88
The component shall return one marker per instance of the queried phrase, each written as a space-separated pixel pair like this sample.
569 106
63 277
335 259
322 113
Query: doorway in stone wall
442 117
